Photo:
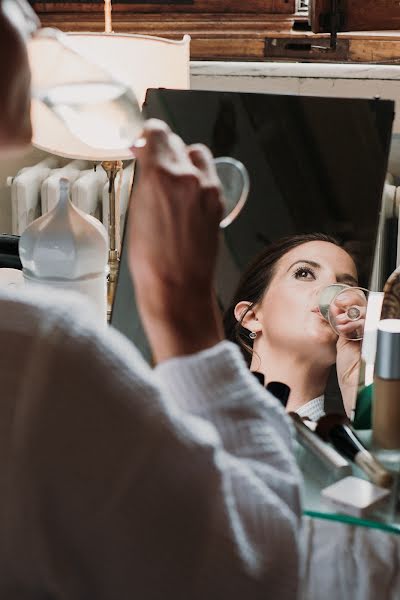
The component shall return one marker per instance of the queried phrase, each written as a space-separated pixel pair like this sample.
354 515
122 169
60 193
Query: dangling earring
252 335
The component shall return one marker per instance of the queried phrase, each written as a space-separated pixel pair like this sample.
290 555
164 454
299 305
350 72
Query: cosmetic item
338 466
386 399
336 429
354 496
279 390
363 412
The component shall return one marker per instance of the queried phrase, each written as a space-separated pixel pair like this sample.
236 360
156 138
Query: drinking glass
345 308
102 111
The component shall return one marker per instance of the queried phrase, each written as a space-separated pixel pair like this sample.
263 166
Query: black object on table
9 254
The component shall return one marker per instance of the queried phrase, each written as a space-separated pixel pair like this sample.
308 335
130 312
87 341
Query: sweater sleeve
215 385
252 439
256 439
125 482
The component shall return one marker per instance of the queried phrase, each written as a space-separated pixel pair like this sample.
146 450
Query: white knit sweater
121 483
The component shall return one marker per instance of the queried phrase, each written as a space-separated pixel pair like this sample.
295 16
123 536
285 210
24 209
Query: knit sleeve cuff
213 379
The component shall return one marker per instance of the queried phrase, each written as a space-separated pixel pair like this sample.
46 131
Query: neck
306 379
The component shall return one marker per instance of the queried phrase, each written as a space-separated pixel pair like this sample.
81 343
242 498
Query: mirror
315 165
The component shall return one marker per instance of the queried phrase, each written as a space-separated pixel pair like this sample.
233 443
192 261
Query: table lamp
140 61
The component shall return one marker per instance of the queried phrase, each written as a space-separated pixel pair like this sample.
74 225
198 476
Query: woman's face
288 315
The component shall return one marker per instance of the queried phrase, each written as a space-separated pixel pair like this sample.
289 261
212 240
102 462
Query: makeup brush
331 458
279 390
336 429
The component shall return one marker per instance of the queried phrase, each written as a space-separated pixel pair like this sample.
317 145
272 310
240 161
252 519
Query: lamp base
113 268
112 168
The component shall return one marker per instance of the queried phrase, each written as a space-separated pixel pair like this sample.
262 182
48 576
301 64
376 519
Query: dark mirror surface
315 165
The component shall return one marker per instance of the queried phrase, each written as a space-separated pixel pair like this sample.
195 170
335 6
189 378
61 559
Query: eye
305 273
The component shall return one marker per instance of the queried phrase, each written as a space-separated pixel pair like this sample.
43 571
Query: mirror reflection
317 168
276 320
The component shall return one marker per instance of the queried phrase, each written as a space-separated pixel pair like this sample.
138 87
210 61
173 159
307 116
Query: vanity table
346 557
316 477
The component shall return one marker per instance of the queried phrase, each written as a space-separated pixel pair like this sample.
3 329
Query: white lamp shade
141 62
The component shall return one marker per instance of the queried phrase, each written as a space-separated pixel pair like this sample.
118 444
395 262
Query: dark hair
255 281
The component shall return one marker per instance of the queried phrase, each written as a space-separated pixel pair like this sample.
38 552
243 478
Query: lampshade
139 61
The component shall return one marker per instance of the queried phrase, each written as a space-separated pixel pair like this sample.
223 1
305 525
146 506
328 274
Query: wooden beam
258 7
234 37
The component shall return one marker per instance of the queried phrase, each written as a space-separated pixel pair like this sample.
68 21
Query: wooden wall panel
234 29
198 6
359 15
375 47
220 29
375 51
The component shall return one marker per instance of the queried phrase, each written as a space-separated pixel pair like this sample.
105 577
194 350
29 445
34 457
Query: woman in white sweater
274 317
118 481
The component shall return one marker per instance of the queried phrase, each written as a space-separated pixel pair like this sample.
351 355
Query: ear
250 320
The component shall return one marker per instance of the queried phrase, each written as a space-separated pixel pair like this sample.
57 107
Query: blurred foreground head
17 22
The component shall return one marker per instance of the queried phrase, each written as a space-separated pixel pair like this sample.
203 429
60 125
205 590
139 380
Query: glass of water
345 309
102 111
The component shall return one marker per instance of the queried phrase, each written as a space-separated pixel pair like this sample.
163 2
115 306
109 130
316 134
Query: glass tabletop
316 477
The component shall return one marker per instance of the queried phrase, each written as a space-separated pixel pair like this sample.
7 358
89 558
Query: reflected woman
274 317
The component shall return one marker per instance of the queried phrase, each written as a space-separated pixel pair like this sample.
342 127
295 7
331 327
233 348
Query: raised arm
173 242
175 214
177 482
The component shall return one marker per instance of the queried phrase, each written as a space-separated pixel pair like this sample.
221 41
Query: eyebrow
342 278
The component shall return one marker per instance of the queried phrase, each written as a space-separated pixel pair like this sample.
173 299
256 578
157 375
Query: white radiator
51 185
26 194
87 192
35 190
